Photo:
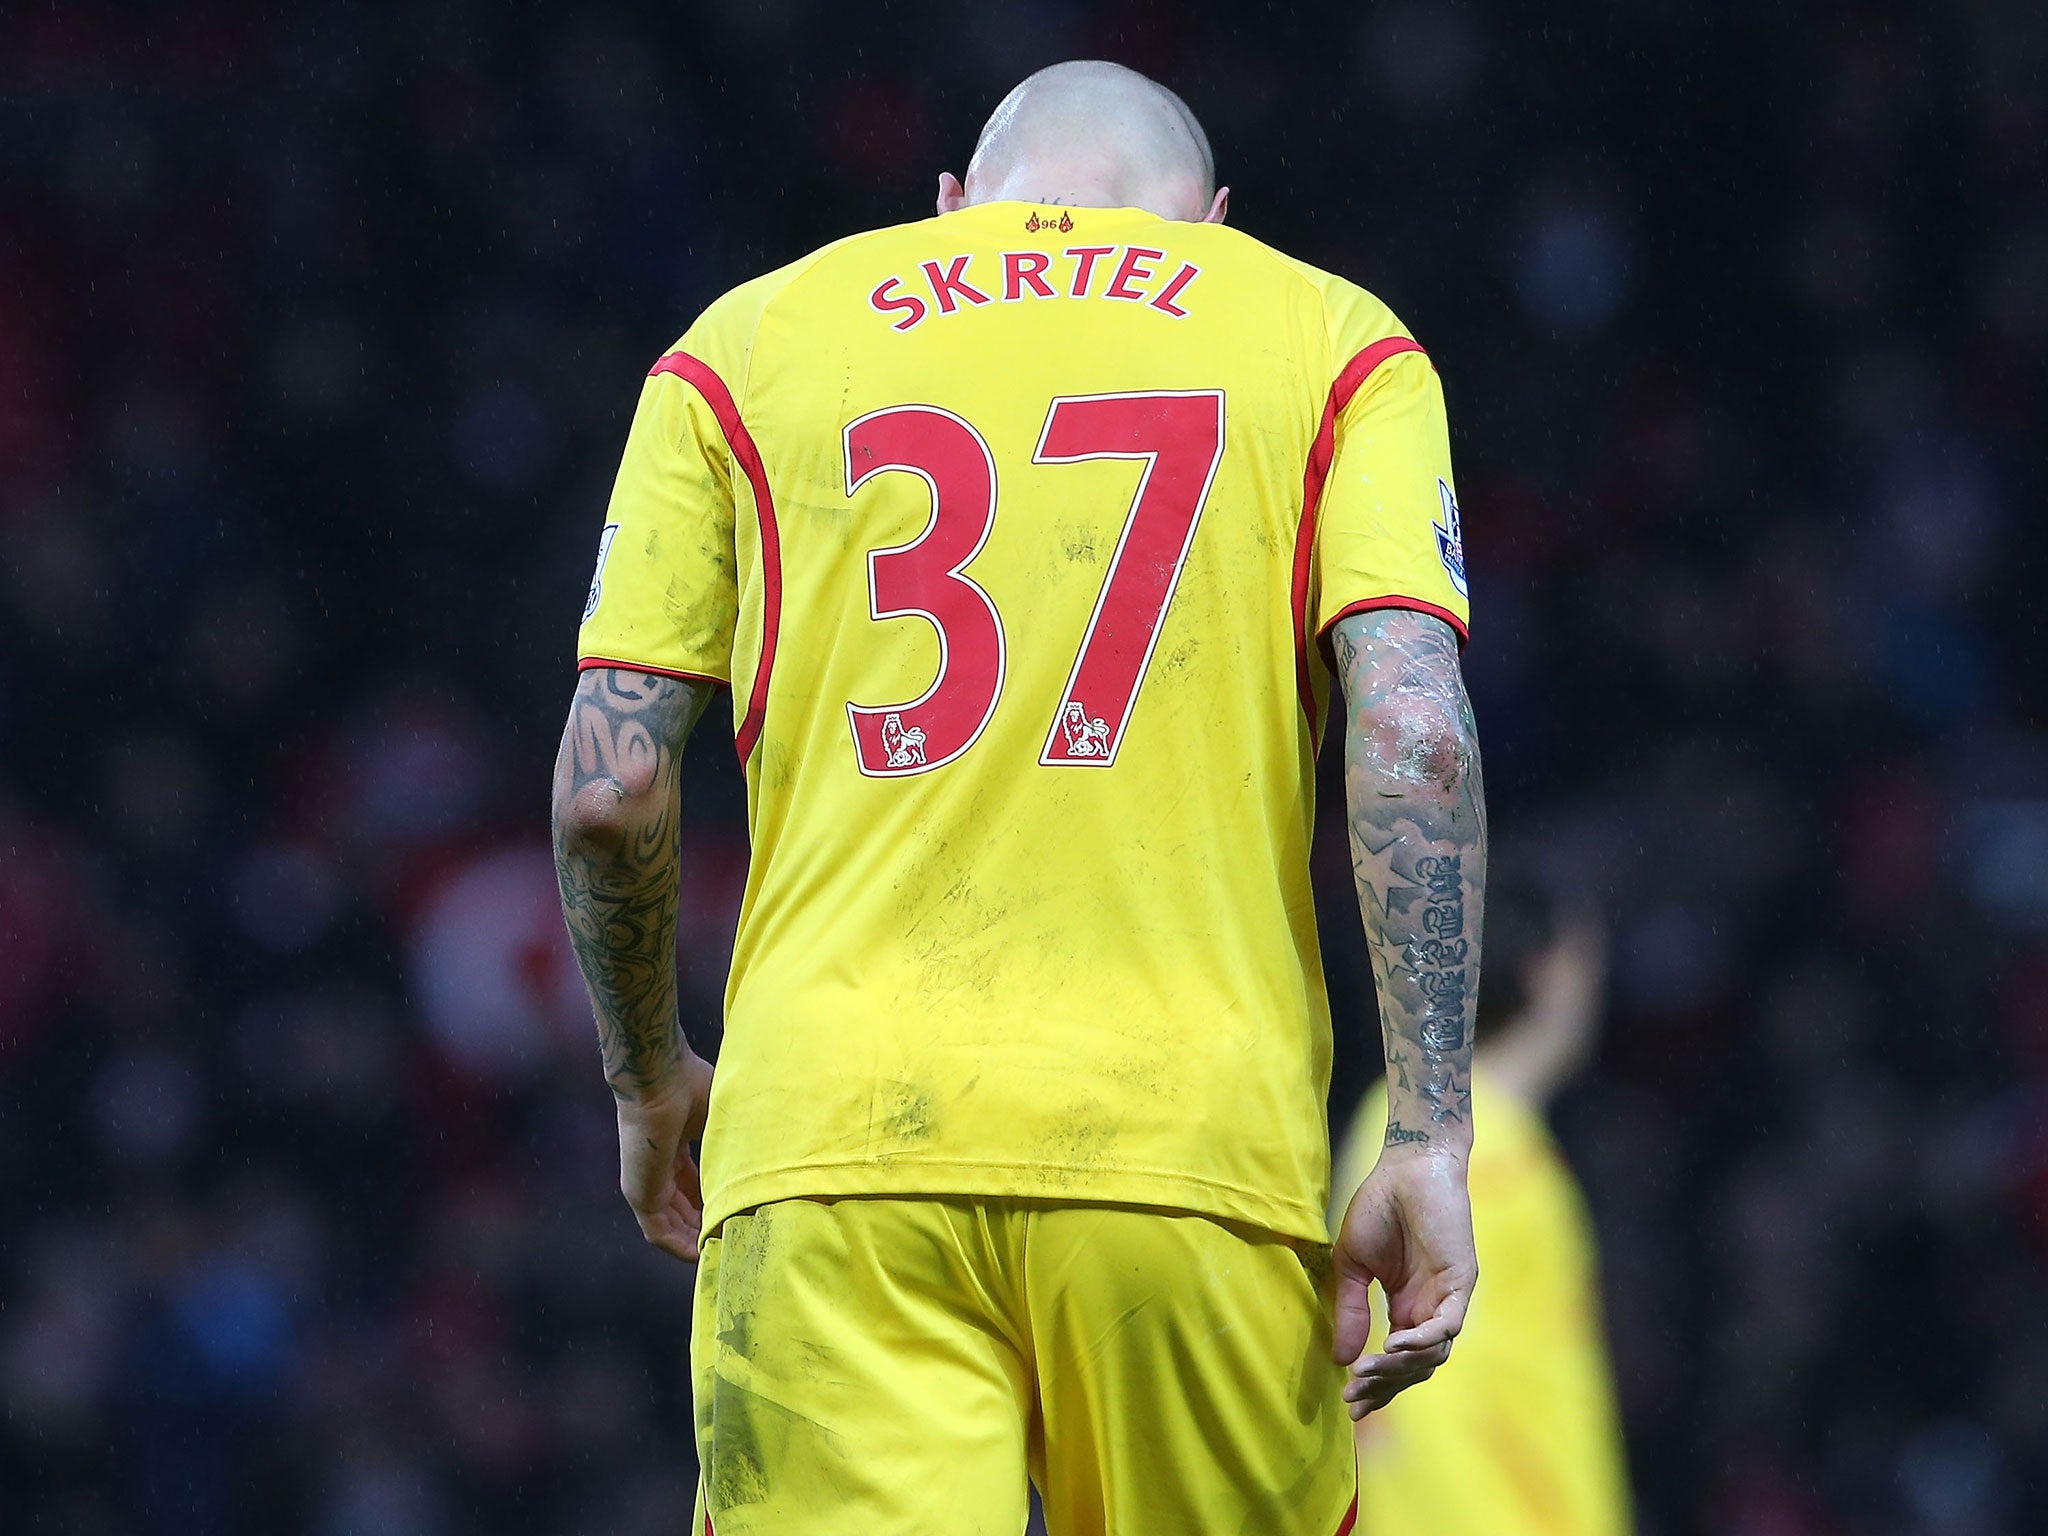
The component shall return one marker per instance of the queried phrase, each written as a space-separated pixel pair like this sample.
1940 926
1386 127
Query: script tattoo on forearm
1417 813
616 806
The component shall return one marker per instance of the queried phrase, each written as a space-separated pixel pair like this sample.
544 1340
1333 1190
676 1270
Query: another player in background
1020 535
1522 1439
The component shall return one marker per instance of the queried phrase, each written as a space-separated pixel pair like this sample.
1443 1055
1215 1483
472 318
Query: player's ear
952 196
1218 207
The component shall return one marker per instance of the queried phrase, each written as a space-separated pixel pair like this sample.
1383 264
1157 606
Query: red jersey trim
1321 452
1350 1518
591 663
698 374
1396 600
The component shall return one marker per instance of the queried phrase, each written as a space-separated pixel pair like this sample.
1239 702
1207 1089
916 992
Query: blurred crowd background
320 327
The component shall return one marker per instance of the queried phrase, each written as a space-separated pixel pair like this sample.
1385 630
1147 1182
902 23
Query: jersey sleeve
1387 529
664 597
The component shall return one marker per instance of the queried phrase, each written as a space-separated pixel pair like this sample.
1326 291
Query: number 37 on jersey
1176 435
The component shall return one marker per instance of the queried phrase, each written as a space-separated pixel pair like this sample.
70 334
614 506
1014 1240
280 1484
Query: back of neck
1059 189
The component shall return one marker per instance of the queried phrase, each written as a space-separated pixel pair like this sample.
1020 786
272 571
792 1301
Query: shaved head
1092 133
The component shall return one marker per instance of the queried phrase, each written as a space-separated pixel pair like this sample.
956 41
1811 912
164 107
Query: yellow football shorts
897 1367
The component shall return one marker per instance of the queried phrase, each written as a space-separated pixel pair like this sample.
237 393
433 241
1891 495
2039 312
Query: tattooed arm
1417 817
615 813
1418 849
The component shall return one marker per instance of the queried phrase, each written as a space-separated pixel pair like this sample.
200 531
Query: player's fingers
1383 1376
688 1217
676 1244
1373 1401
1440 1327
1363 1395
1371 1370
1427 1334
675 1230
1406 1365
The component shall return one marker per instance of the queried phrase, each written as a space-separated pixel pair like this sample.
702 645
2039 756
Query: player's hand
657 1175
1410 1228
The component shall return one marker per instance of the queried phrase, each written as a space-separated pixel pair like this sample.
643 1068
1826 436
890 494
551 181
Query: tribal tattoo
616 806
1417 813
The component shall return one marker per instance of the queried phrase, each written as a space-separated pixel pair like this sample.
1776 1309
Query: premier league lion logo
904 744
1085 737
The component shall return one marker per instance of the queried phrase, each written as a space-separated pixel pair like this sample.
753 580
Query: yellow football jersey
1012 532
1519 1434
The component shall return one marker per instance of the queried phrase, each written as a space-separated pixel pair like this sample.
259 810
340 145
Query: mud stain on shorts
746 1242
753 1439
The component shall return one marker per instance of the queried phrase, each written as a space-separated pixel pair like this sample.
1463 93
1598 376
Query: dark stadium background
319 330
